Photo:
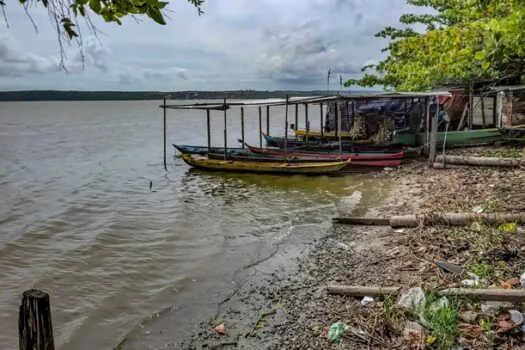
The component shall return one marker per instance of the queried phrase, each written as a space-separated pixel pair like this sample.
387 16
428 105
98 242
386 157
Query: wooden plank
463 114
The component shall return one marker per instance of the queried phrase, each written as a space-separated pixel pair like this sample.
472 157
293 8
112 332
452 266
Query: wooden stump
35 330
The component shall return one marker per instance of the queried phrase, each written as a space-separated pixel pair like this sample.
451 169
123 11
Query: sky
235 44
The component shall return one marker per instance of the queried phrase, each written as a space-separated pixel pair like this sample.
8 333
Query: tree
65 14
464 41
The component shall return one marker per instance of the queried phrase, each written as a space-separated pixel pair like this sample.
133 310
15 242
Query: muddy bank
287 306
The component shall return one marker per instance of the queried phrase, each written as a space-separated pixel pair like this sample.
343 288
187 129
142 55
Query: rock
468 316
491 308
522 280
412 299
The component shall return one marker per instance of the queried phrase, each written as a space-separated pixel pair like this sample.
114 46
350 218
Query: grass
442 321
483 271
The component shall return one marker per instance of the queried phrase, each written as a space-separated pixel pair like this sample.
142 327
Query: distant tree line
52 95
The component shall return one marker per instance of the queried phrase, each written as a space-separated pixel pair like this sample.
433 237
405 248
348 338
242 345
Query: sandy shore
287 307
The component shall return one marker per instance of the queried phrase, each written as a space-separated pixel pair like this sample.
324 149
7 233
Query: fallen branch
481 161
492 294
437 219
362 291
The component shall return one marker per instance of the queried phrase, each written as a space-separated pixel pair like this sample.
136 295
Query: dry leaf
470 331
220 329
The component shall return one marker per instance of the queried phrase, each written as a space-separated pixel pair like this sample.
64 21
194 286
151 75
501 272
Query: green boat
454 138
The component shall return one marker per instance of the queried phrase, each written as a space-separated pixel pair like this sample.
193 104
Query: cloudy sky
236 44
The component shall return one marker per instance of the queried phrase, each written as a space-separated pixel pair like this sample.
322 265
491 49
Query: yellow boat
313 168
314 133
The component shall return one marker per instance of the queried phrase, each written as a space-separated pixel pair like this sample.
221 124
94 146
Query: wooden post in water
433 136
242 126
297 116
35 329
336 119
260 126
286 131
164 107
321 118
339 129
225 132
306 123
267 120
208 129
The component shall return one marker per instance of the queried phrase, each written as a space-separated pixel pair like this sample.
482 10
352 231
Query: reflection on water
78 220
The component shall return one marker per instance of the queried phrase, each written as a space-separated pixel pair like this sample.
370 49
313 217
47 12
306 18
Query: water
77 217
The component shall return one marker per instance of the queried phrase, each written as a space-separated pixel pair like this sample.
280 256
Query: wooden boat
203 150
327 155
295 159
317 134
454 138
273 141
270 167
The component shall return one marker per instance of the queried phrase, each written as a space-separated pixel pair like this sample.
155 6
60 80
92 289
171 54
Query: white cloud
236 44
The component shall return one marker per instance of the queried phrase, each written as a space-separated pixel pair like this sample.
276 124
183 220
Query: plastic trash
516 317
478 209
220 329
522 280
491 308
367 300
335 333
412 299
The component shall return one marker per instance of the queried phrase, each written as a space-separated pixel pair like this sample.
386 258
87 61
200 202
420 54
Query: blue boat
203 150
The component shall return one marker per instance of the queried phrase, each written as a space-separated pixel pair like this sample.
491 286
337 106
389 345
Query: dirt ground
292 309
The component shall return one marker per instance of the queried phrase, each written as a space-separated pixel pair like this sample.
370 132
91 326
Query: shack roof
304 100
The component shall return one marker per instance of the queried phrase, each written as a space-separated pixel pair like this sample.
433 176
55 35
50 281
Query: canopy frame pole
164 107
297 117
267 120
208 129
260 126
242 126
286 131
225 132
306 123
321 118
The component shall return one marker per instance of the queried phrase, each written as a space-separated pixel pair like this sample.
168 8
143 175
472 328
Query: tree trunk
35 330
456 219
481 161
362 221
362 291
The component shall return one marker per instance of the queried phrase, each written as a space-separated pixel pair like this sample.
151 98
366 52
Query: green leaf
95 6
485 65
155 14
480 55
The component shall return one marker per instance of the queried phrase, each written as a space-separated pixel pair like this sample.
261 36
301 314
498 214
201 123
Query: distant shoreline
55 95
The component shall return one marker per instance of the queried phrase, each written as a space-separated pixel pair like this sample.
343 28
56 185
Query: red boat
324 155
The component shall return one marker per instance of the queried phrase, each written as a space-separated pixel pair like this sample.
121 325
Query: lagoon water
78 219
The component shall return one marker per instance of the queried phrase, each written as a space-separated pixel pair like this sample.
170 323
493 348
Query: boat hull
203 150
262 158
325 155
453 138
274 167
279 142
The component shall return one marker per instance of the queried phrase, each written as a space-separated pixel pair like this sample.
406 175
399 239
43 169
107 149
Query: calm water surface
77 217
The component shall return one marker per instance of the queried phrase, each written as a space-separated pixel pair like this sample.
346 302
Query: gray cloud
262 44
15 62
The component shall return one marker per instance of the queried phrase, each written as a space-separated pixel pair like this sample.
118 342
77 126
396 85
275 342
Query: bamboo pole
471 105
437 219
286 131
297 116
481 161
427 126
225 132
336 120
260 126
267 120
35 329
242 126
208 129
433 136
321 118
164 107
307 123
483 110
489 294
339 129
